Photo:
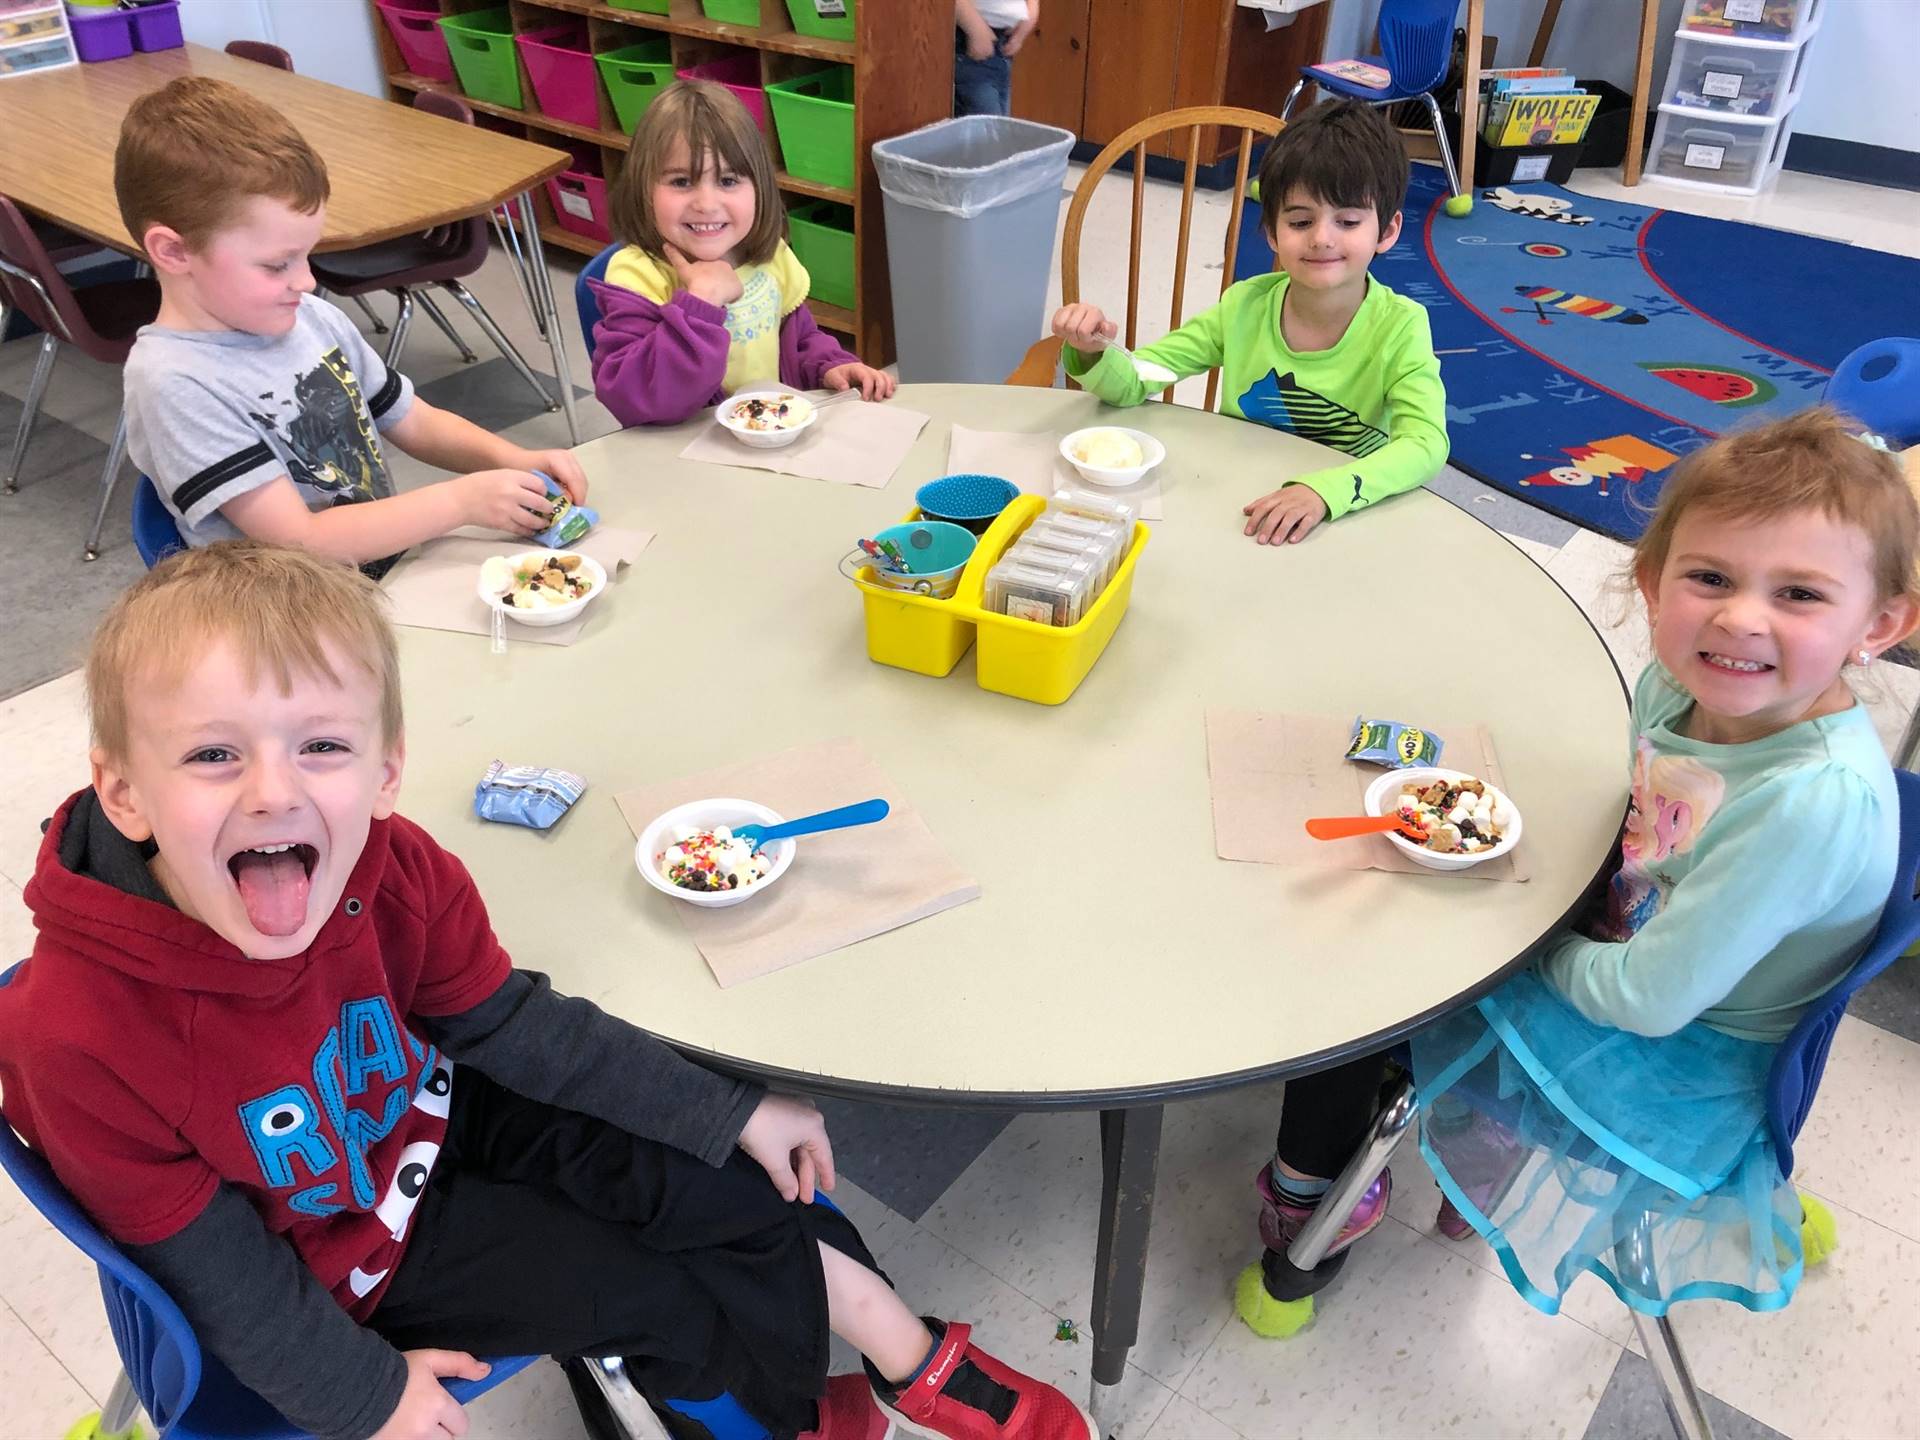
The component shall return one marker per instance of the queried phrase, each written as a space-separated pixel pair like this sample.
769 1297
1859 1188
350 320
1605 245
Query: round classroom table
1113 961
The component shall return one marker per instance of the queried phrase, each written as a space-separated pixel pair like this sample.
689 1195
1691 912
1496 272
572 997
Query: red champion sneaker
848 1411
963 1393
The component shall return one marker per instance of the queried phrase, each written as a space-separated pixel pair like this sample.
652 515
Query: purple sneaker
1280 1223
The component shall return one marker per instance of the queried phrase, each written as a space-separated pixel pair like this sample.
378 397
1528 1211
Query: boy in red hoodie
269 1041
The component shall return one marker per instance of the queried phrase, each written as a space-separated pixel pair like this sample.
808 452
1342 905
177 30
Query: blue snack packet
1393 744
528 795
569 521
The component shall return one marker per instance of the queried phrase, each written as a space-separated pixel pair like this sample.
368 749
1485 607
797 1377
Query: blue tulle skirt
1577 1148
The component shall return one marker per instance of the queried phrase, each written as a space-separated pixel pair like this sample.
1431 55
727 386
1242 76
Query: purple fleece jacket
659 364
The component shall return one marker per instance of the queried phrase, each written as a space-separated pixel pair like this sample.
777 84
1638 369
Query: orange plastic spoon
1343 827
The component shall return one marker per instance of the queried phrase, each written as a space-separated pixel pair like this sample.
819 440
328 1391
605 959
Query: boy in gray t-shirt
256 409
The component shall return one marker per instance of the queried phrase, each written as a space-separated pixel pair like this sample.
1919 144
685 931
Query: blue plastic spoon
847 816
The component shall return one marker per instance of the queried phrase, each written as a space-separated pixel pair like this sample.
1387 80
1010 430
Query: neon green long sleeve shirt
1376 394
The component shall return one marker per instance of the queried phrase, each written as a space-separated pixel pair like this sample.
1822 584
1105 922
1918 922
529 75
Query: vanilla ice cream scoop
1110 450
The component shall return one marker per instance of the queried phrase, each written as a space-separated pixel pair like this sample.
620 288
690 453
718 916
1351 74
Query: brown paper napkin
433 588
1271 773
853 442
1035 464
841 888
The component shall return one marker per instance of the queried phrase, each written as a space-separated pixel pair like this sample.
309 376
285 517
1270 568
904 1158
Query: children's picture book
1357 72
1540 119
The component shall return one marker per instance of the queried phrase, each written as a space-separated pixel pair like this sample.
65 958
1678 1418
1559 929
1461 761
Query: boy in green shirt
1317 348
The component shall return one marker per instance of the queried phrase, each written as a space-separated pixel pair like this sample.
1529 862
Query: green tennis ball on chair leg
1819 1234
1461 205
1265 1316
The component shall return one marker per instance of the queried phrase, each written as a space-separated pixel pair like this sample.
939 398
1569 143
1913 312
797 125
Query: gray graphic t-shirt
212 414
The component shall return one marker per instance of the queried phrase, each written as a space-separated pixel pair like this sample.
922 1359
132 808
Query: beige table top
1112 954
394 170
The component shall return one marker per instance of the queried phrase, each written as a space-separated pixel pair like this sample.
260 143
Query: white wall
330 40
1863 75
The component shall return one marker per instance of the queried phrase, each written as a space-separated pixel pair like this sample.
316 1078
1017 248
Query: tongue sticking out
274 890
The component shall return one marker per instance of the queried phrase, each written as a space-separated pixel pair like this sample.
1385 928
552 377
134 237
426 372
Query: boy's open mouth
273 881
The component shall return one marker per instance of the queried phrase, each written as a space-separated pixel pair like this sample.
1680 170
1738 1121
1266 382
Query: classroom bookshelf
900 57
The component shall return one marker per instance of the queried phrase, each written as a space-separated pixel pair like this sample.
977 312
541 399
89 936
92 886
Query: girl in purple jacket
706 298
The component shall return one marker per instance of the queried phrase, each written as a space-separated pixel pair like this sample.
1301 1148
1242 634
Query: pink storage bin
580 204
422 45
741 75
561 68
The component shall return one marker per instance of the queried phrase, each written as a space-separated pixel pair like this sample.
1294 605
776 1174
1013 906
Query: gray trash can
971 205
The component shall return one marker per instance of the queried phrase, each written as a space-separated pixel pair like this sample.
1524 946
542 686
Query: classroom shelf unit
900 56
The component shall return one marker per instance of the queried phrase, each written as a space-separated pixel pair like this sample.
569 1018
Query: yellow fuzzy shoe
1266 1316
1819 1234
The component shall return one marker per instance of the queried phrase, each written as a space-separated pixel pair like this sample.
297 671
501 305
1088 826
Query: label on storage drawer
1724 84
576 205
1752 11
1531 167
1705 157
830 9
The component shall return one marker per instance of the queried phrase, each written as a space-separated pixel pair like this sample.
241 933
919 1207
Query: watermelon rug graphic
1735 389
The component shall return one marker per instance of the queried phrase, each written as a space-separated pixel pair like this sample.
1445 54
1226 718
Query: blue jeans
982 87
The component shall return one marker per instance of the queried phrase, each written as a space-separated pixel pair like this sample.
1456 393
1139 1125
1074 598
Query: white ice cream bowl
1382 793
553 615
727 413
1152 452
704 815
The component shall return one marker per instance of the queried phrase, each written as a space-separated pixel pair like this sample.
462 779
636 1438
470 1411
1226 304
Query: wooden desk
1113 962
394 171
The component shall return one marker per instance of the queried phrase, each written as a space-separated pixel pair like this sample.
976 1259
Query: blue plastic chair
1416 44
189 1395
1879 386
155 535
594 269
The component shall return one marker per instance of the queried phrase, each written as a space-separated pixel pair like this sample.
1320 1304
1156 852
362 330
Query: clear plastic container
1069 501
1091 568
1027 592
1735 77
1106 554
1781 21
1731 154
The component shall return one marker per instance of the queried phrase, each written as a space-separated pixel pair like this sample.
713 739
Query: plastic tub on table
156 25
101 34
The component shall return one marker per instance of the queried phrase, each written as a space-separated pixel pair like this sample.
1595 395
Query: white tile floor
1419 1336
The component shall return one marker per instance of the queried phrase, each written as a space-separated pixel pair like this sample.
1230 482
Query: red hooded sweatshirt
148 1059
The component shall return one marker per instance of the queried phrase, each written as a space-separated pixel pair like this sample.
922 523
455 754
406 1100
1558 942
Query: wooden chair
1039 364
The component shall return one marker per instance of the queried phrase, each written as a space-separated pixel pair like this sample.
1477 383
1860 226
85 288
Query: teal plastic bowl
936 550
970 501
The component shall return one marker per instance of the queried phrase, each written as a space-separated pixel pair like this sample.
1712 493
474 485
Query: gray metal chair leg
1634 1263
509 238
479 312
1286 105
1389 1128
1440 139
120 1411
630 1409
379 325
109 477
435 314
402 322
30 411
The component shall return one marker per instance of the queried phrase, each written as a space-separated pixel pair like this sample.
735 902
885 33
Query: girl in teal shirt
1624 1074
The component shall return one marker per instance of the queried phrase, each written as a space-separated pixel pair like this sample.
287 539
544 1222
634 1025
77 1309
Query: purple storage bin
101 34
561 68
741 75
420 41
156 26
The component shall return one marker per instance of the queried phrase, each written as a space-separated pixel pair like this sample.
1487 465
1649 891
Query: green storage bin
634 76
807 19
644 7
813 116
821 234
734 12
480 43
